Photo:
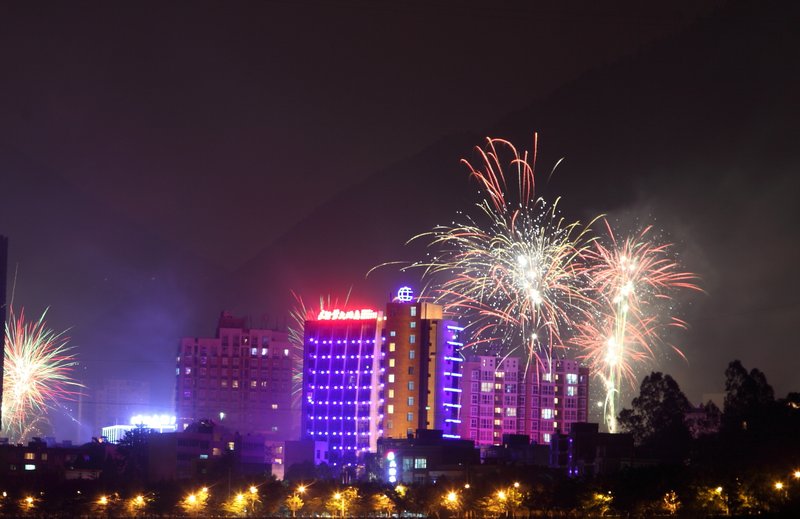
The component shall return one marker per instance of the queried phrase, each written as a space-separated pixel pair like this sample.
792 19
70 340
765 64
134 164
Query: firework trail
296 331
516 269
632 282
37 375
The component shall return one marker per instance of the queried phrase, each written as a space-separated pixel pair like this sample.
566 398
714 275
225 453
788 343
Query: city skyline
136 216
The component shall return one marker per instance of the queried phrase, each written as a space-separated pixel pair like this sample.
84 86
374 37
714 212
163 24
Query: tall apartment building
241 379
421 369
501 397
341 382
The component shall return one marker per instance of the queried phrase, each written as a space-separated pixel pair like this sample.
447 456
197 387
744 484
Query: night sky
162 163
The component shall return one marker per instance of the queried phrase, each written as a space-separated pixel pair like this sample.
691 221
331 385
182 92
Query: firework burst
515 270
36 376
632 282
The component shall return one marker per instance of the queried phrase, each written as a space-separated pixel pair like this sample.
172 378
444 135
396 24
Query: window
187 394
391 393
391 363
286 352
392 333
390 409
411 385
253 384
411 354
420 463
473 398
411 370
413 311
274 406
413 324
412 339
546 437
571 391
235 384
391 378
253 352
410 417
391 346
187 371
411 401
223 383
264 352
547 413
572 378
30 456
486 387
43 457
473 423
511 411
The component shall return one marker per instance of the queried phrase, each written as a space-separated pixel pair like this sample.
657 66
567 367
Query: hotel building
501 397
241 379
341 402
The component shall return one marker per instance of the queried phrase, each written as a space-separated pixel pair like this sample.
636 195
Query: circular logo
405 294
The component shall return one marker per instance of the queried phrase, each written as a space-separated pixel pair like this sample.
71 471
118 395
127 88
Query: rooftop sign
352 315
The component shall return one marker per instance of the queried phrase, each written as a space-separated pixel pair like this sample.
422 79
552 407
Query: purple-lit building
341 401
241 379
503 396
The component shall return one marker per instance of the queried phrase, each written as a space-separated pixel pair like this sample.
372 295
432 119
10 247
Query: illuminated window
411 354
263 383
264 352
486 387
390 409
286 352
412 339
187 371
498 410
547 413
231 446
511 411
413 324
274 406
392 333
391 363
572 378
391 378
253 352
498 422
420 463
546 438
547 377
235 384
391 346
572 391
413 311
30 467
253 383
411 400
410 417
30 456
411 385
391 393
223 383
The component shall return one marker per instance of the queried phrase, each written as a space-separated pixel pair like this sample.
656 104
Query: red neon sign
341 315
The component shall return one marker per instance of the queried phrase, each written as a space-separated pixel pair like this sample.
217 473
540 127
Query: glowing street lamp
103 501
778 485
796 474
301 489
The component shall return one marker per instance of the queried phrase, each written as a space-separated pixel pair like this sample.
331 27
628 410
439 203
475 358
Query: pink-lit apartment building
241 379
500 397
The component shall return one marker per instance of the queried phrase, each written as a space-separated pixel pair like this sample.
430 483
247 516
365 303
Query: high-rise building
341 401
421 369
503 395
3 275
241 378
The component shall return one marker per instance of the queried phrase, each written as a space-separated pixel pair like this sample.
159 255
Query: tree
294 503
747 395
657 418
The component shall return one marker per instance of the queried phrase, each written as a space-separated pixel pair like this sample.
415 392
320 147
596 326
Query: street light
301 489
778 485
796 474
516 484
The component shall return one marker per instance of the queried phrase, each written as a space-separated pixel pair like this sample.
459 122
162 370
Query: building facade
241 378
341 401
421 370
503 396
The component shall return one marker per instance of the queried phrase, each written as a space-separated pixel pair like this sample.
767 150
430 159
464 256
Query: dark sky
161 163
